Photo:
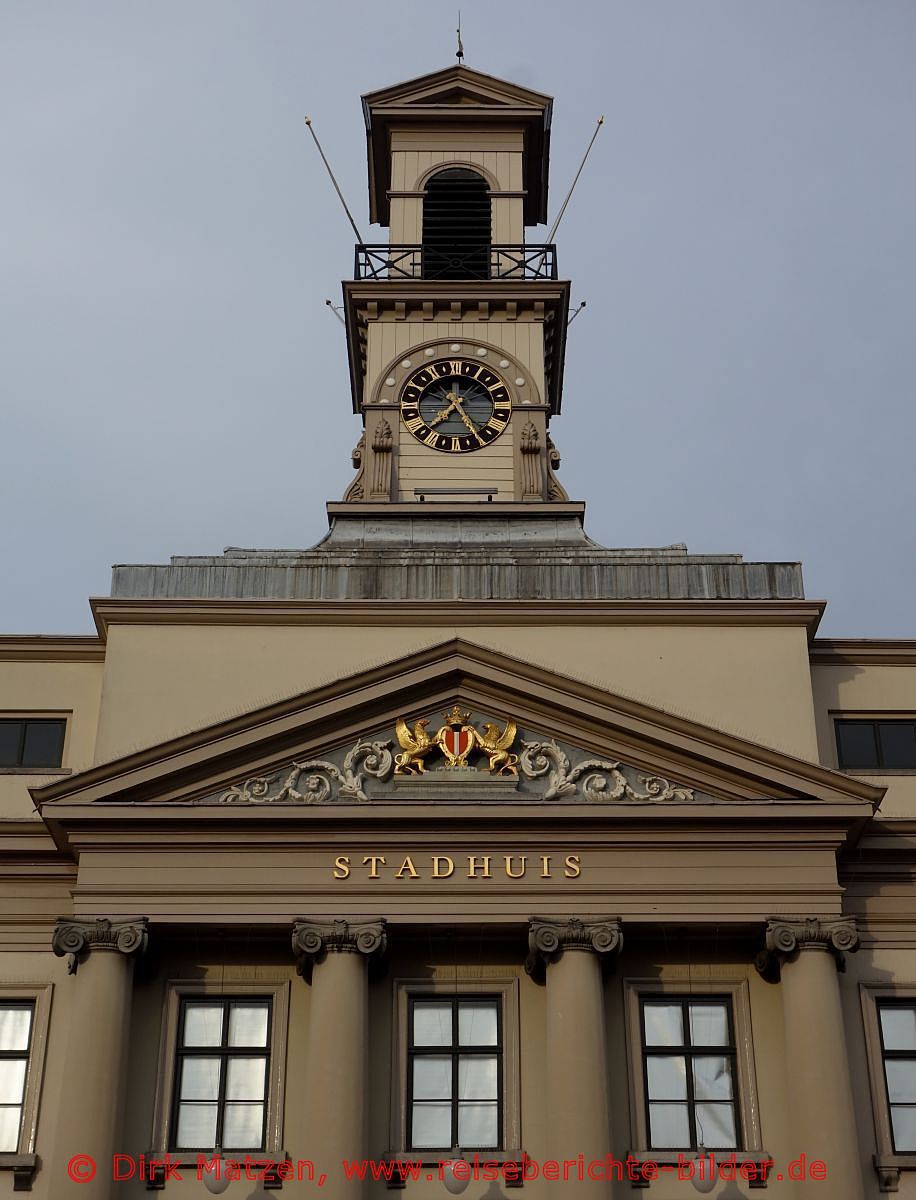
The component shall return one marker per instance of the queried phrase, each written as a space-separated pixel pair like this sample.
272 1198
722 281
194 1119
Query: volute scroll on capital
786 937
549 939
75 940
313 940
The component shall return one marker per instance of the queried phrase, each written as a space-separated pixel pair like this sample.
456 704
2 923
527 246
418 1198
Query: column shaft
820 1092
336 1070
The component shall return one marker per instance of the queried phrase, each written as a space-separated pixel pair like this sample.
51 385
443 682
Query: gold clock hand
444 412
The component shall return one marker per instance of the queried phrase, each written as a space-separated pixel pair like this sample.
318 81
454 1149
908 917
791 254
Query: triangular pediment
539 741
457 85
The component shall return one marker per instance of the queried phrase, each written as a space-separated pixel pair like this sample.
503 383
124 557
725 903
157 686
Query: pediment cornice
593 748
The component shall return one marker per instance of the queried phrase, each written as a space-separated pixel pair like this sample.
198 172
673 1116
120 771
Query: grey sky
741 380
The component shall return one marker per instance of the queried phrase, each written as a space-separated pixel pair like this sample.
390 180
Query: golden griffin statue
456 741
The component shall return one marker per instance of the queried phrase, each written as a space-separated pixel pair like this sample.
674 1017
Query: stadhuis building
458 834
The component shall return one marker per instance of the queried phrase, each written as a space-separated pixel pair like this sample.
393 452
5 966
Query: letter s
573 868
342 866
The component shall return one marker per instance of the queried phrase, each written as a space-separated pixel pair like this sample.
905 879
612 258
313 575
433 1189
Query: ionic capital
547 939
312 940
786 937
75 940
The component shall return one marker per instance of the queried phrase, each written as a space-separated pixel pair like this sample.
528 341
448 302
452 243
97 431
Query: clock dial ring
455 405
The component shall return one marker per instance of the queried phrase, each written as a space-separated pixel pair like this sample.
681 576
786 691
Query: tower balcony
394 262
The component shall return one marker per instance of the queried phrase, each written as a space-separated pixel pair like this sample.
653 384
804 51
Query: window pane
898 743
44 743
432 1126
432 1024
664 1025
898 1028
245 1078
196 1126
668 1127
667 1078
248 1025
478 1125
15 1024
477 1078
203 1024
12 1080
708 1025
199 1079
432 1078
242 1125
901 1081
716 1125
904 1123
10 1120
856 744
477 1025
10 741
712 1078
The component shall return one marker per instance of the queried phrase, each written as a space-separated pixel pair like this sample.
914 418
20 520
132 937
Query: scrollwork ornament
74 940
596 780
318 781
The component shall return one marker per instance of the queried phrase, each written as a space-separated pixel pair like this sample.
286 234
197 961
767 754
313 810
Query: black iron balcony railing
456 262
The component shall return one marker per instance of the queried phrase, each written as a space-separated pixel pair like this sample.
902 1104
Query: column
571 951
335 954
101 956
808 952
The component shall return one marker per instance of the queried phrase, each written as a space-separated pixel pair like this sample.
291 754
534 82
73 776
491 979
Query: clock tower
456 326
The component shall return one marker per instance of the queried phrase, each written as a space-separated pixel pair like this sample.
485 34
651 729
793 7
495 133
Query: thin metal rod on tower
460 52
588 150
359 236
336 310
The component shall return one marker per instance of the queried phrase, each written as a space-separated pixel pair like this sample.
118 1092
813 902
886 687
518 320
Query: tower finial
460 52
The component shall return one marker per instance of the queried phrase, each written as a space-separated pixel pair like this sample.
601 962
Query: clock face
455 405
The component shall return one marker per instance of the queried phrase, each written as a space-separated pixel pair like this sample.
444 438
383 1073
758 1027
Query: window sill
888 1168
36 771
158 1163
23 1167
425 1159
756 1165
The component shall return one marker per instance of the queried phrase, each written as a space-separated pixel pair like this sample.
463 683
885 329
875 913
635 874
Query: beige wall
161 681
65 689
873 689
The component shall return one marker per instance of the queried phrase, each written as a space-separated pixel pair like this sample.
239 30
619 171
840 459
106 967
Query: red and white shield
457 742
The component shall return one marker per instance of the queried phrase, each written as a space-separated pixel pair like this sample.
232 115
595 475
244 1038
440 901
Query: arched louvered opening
456 226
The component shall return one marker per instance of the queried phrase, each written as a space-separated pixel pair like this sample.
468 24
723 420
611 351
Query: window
863 744
221 1074
688 1050
15 1041
897 1028
222 1056
454 1073
691 1067
456 226
455 1077
31 742
24 1016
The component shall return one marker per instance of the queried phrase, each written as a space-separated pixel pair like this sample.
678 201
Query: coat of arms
456 741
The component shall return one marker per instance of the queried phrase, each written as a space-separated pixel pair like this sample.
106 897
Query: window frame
505 989
454 1052
733 989
166 1098
689 1051
26 715
888 1162
870 717
23 1161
